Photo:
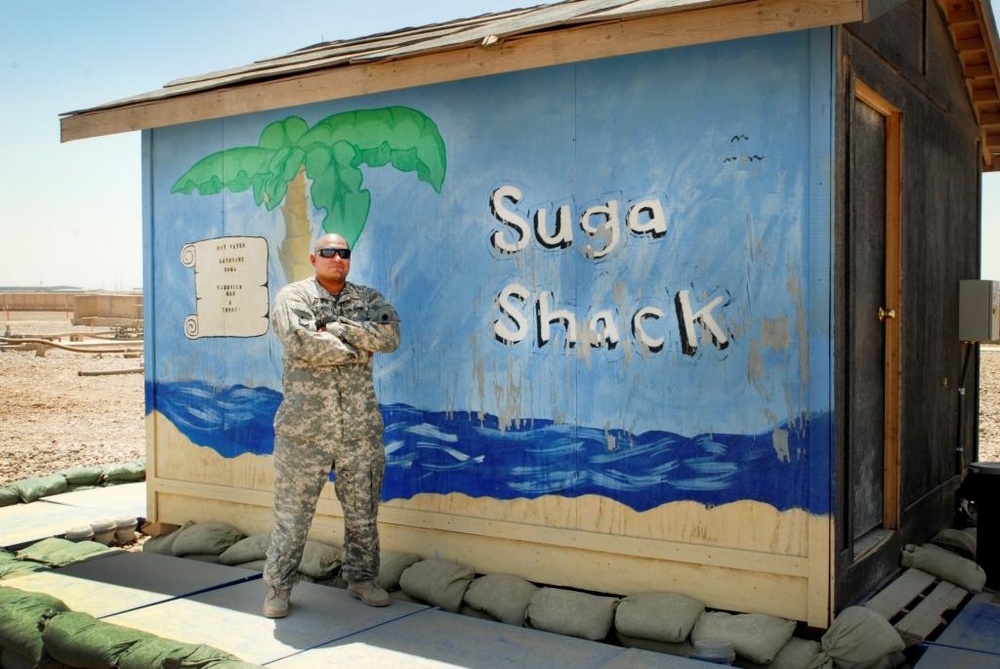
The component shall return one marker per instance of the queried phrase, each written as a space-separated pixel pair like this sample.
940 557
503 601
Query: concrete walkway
200 602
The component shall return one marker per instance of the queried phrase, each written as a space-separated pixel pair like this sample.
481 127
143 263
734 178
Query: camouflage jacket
329 341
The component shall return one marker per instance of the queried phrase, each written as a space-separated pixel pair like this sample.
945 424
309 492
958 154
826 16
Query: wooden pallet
916 604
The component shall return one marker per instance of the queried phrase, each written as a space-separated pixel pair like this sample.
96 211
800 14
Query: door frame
892 507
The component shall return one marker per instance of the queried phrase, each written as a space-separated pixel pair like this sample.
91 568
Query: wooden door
873 311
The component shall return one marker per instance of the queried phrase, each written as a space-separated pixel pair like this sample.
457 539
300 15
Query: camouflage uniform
329 420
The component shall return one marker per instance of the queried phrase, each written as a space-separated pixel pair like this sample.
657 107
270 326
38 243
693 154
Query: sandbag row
662 622
38 630
26 490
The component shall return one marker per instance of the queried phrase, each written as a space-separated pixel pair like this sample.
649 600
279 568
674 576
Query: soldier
329 420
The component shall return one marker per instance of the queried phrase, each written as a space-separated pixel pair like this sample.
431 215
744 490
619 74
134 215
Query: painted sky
72 212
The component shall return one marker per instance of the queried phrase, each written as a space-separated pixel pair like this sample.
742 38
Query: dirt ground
52 417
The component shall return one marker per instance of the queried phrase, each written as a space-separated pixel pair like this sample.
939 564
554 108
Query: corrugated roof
971 22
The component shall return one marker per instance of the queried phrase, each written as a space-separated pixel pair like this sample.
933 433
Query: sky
72 213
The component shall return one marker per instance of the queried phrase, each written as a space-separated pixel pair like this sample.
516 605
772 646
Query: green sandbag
130 472
36 487
221 664
21 617
9 496
159 652
81 640
11 568
57 552
78 476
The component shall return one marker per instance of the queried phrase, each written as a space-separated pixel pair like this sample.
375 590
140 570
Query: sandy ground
52 417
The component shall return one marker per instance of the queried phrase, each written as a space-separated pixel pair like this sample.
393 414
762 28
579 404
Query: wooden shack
678 283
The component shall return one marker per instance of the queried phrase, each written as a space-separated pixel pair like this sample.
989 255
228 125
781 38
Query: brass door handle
883 314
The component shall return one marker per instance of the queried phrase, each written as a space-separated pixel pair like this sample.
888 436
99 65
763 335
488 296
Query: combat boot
276 602
369 593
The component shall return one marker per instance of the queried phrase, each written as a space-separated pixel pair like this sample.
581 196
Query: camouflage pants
301 469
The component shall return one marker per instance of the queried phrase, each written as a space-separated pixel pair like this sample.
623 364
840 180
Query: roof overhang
555 34
974 33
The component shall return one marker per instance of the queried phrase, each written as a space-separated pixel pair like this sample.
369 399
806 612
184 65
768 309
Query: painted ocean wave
469 453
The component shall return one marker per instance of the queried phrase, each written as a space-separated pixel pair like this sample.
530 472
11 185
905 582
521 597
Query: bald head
331 258
331 240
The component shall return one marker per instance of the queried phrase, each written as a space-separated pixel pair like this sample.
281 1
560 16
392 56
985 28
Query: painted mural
604 273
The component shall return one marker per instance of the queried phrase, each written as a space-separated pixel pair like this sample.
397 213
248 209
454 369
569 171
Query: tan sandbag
683 649
755 636
858 636
571 613
503 597
247 549
320 561
795 654
957 541
438 582
164 543
945 565
661 616
211 538
391 568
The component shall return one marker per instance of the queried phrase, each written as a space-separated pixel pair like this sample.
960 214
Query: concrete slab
79 594
435 639
634 658
22 524
164 574
320 614
125 499
941 657
976 627
970 640
118 581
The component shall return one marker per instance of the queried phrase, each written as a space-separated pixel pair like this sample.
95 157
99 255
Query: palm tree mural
329 155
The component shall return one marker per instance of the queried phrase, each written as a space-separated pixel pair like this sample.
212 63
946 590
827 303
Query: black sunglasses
330 252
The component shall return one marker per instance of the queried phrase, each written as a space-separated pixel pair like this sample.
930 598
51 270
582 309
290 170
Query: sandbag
755 636
11 660
247 549
438 582
391 568
164 544
57 552
81 640
21 617
571 613
36 487
661 616
503 597
320 561
83 476
856 637
154 651
129 472
9 496
211 538
795 654
683 649
957 541
945 565
10 566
